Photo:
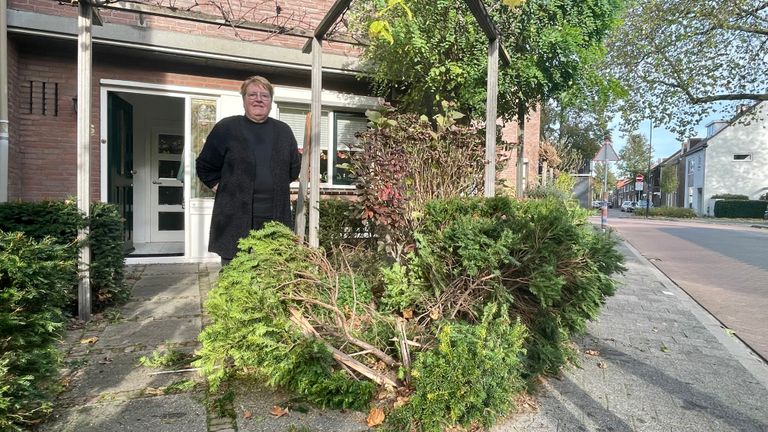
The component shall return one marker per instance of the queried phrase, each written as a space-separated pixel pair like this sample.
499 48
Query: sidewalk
654 361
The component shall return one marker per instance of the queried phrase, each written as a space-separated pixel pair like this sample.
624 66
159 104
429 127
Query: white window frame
747 157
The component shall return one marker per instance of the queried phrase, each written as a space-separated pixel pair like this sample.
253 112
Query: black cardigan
227 160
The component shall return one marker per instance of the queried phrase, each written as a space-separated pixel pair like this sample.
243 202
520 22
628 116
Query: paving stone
164 286
173 413
106 374
161 308
149 333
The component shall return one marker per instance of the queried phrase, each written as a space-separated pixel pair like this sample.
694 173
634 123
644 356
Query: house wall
14 147
532 140
724 175
694 181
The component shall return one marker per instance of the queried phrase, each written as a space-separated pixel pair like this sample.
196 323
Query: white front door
166 188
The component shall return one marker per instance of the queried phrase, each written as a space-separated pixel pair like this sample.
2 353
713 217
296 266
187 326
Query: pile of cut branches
487 298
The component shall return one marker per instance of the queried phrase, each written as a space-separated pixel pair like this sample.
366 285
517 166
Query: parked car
597 204
640 205
628 206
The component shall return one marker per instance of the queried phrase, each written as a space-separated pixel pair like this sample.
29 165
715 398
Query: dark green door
120 162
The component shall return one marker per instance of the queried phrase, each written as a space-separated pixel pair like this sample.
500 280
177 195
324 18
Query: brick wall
14 168
532 137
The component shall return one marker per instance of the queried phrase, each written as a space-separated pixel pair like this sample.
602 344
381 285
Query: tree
599 179
682 60
633 157
441 54
668 179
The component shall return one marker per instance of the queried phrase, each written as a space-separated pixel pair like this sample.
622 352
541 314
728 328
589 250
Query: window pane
170 221
168 168
296 118
203 120
345 144
346 128
170 144
170 195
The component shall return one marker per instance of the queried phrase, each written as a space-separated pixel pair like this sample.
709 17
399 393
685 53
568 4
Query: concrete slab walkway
654 361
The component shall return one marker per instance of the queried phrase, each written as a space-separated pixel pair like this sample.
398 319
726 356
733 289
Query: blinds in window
295 118
347 126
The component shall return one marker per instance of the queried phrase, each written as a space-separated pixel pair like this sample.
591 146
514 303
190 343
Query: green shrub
35 284
740 208
674 212
61 221
470 377
251 328
340 222
539 256
730 197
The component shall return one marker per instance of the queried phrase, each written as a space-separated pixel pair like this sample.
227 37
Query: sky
663 142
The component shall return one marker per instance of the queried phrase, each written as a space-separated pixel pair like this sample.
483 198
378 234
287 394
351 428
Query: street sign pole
606 153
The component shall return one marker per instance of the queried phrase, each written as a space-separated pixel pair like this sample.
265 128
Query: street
723 267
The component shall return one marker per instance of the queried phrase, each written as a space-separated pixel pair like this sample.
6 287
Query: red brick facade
531 150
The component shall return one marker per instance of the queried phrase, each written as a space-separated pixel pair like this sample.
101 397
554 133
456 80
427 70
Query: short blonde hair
258 80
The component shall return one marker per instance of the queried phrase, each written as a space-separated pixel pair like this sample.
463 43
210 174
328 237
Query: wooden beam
314 162
325 24
490 118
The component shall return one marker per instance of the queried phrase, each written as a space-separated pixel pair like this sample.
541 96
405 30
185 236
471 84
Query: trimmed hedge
731 197
61 220
674 212
740 208
35 285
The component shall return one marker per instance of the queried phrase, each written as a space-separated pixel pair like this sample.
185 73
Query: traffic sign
639 178
606 153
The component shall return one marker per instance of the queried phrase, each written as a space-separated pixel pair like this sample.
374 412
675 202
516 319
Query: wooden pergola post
84 76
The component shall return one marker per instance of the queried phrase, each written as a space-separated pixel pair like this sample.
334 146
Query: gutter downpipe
4 124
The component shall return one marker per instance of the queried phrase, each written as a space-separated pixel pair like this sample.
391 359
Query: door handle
157 182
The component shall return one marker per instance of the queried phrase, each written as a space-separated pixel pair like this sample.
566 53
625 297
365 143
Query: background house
160 82
730 160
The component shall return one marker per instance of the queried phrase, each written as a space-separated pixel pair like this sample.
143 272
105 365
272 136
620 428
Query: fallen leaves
591 352
247 414
375 417
278 411
602 365
90 340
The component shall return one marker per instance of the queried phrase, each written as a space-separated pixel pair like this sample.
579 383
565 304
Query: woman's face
257 102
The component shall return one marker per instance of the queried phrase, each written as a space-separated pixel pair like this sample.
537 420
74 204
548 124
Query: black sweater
228 161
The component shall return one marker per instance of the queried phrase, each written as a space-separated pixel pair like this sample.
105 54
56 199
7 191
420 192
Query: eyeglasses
258 96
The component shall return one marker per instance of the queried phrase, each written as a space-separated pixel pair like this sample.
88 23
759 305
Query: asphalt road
723 267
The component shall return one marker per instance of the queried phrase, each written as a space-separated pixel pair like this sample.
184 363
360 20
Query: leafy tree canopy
682 60
633 157
441 54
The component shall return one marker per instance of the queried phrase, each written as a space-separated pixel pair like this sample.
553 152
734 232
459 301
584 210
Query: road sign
639 178
606 153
